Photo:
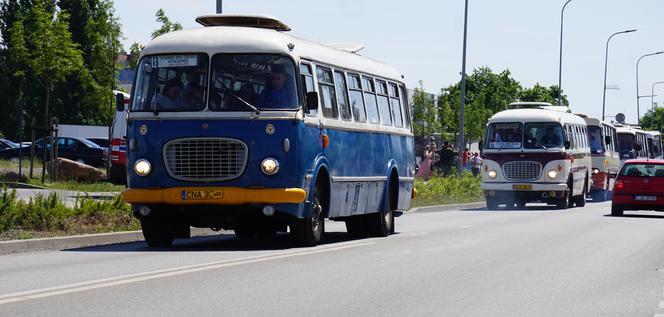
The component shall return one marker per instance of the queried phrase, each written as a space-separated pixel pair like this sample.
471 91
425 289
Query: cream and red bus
536 155
603 141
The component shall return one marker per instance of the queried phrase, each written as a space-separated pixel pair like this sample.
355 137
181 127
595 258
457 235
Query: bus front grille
205 159
522 170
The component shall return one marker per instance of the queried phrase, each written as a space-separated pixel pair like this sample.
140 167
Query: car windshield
252 82
89 143
504 136
10 143
541 135
643 170
626 145
595 137
171 83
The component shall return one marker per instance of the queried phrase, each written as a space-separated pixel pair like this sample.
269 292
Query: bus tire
157 232
380 224
520 204
580 200
309 231
491 203
356 227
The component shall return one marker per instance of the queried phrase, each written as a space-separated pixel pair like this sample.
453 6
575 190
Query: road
468 262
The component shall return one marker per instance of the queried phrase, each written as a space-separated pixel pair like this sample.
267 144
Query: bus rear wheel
381 224
157 232
309 231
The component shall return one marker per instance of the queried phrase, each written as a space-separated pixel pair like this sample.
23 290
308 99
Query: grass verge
47 216
454 189
77 186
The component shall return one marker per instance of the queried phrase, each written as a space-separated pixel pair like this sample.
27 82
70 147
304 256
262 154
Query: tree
166 24
653 120
543 94
134 54
424 112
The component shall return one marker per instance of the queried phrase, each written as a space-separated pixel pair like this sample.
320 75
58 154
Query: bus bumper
214 196
525 191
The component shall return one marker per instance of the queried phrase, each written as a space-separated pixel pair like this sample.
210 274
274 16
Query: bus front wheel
491 203
309 231
157 232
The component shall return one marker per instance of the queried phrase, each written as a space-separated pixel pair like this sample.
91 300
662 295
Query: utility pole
219 6
463 93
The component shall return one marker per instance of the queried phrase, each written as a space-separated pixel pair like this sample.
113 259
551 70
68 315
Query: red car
639 186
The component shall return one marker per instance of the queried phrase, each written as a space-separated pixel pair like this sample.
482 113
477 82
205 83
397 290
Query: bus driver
550 138
276 94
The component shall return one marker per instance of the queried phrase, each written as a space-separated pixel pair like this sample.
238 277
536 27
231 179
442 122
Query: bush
453 189
47 215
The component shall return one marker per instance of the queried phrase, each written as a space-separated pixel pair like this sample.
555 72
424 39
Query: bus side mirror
607 139
567 145
637 147
119 102
312 100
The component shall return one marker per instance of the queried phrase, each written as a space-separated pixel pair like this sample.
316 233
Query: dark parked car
639 186
10 150
102 142
76 149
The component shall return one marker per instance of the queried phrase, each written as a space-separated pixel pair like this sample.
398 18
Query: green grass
46 216
9 164
454 189
76 186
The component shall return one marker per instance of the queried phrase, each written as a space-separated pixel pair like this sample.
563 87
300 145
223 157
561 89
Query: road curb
81 241
446 207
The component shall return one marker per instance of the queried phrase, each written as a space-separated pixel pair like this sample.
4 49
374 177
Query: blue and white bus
240 126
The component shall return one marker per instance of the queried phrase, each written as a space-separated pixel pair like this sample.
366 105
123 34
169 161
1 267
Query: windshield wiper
244 102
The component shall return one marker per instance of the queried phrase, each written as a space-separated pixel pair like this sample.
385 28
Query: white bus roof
240 39
653 133
628 129
595 121
535 115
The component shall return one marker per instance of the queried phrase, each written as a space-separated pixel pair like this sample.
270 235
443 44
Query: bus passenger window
307 78
342 95
406 105
370 96
383 103
327 95
395 103
356 100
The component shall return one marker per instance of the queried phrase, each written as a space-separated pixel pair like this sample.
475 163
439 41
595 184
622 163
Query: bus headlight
552 174
270 166
492 174
595 170
142 167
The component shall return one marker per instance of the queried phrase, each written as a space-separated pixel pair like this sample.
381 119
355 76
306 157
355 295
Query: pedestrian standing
476 164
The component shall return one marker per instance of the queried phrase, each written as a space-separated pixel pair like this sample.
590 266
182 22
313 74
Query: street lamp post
463 91
638 106
606 59
652 94
219 6
560 59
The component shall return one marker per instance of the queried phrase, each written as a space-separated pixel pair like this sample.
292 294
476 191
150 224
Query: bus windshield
242 82
504 136
626 145
595 137
541 135
171 83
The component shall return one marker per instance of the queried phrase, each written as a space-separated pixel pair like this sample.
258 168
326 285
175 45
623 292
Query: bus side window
308 83
342 95
370 98
356 100
406 106
327 96
383 103
396 106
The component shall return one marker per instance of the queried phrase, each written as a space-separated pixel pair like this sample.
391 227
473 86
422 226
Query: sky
423 39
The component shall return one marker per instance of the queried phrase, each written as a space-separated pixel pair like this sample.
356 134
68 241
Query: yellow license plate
202 194
522 186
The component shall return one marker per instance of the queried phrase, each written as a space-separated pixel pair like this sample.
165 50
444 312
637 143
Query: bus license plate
646 198
202 194
522 186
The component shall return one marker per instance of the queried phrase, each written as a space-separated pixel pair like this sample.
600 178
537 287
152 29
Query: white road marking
416 234
659 315
139 277
465 226
661 304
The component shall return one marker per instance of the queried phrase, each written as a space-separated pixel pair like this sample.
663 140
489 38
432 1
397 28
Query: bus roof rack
245 20
347 47
529 105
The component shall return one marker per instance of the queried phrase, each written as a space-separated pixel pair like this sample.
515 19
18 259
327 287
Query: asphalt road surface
468 262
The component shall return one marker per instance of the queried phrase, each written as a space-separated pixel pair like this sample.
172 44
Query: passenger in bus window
551 138
276 93
169 98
